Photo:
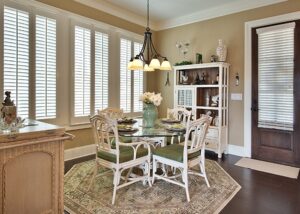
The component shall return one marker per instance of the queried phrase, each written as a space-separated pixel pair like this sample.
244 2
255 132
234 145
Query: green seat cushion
174 152
126 154
122 139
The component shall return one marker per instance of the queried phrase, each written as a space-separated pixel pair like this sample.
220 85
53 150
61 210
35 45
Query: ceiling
171 13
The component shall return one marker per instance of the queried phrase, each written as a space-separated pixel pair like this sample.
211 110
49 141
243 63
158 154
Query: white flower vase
221 51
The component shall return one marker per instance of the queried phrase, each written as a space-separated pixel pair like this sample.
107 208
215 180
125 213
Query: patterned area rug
162 197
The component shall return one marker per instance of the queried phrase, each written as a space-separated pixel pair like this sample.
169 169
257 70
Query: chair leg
128 174
164 169
186 183
116 182
153 169
202 168
148 173
172 140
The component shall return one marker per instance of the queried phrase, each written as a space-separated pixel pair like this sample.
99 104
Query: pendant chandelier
148 58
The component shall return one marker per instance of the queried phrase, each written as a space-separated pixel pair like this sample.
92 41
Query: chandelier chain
148 14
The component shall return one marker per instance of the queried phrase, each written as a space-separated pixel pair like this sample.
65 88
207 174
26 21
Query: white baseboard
79 152
236 150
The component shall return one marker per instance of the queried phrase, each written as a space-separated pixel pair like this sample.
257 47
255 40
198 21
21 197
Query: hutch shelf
203 88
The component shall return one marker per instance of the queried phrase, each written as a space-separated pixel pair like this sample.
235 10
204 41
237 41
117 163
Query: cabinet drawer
211 145
212 133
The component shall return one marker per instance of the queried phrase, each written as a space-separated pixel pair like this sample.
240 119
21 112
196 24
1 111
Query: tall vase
149 115
221 51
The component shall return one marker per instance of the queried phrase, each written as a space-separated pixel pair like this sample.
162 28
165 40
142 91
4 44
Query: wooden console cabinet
32 170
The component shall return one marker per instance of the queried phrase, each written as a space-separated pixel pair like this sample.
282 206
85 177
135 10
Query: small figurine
217 80
213 58
198 58
197 80
215 101
184 78
216 121
8 110
7 101
202 81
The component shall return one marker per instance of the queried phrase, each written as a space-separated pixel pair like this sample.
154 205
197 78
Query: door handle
254 107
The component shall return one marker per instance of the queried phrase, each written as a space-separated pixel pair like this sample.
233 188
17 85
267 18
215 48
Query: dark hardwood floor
261 193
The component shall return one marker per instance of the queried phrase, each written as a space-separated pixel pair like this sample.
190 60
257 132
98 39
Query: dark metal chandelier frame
148 57
148 45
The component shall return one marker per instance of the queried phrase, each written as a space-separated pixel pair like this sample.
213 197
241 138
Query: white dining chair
113 154
181 114
114 113
184 156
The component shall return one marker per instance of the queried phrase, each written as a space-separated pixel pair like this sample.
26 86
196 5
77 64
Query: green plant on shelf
183 63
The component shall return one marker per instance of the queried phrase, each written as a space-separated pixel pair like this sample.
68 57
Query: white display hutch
198 98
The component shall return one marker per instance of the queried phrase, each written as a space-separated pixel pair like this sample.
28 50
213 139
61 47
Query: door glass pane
276 77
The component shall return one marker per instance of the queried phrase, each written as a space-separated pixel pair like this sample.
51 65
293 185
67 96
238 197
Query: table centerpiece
151 101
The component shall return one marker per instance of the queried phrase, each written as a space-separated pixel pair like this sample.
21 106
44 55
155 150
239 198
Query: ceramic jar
149 115
221 51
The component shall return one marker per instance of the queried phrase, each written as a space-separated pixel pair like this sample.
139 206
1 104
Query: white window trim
248 71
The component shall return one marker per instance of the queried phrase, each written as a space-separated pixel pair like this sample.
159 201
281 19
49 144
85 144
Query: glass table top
159 130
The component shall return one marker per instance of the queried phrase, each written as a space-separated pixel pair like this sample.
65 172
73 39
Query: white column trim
248 70
236 150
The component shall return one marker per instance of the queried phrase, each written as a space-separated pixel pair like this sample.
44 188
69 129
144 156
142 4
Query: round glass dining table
160 130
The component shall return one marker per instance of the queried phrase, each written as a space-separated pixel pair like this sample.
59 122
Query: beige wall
83 137
204 36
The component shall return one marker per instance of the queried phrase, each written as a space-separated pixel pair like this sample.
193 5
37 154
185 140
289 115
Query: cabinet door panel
28 183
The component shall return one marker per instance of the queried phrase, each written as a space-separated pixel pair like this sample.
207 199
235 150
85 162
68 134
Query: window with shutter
16 58
138 80
45 67
125 75
101 70
276 76
82 71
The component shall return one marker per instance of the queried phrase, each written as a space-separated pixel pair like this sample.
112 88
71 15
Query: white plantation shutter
16 58
138 82
101 71
125 75
82 74
276 76
45 66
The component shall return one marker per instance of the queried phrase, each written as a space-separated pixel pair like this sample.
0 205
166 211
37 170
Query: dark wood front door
276 107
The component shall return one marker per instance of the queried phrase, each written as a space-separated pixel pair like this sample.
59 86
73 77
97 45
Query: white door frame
248 70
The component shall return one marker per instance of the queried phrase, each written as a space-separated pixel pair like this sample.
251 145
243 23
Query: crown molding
119 12
221 10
